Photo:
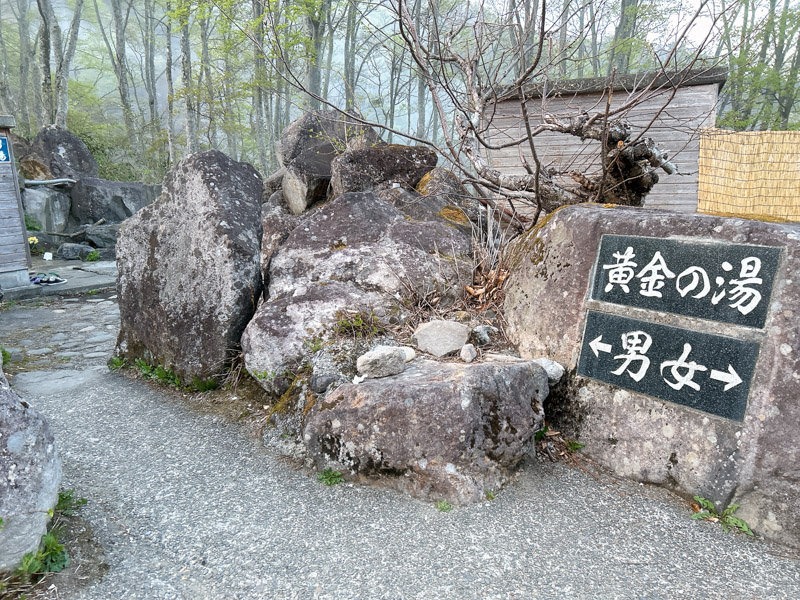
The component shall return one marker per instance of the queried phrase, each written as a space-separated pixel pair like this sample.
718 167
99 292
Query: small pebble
468 353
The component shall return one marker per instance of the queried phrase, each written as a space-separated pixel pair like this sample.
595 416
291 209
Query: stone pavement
185 503
81 277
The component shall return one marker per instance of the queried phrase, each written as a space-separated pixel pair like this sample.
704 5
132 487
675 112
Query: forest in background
145 82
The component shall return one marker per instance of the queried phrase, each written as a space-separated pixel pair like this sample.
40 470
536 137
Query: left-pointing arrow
731 377
598 346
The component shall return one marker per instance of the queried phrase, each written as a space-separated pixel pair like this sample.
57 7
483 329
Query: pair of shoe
46 279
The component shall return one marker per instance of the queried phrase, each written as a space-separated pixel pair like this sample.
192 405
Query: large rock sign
682 343
189 273
30 473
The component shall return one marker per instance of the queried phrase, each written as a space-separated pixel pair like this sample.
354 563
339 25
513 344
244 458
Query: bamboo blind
751 173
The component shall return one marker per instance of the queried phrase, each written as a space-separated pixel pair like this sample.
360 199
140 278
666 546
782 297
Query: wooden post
15 256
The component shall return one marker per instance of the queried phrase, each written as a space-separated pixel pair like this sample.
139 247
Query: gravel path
185 504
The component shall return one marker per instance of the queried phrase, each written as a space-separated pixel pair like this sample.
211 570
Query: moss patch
454 214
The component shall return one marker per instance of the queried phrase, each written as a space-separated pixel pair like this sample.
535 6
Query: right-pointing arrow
598 346
729 377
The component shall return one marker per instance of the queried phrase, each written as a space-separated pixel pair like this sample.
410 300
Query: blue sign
5 153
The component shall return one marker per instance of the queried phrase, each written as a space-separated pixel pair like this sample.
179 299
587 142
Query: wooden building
14 252
676 124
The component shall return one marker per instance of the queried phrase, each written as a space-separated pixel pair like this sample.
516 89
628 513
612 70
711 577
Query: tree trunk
258 85
170 89
6 100
188 94
64 63
47 114
25 59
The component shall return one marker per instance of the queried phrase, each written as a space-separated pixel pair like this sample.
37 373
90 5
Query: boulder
444 185
276 340
33 166
749 458
273 183
276 225
30 475
382 362
441 338
359 238
94 199
306 149
62 154
439 431
426 208
72 251
50 207
380 167
189 273
102 236
354 253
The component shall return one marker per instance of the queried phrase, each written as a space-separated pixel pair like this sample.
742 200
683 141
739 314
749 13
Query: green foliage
330 477
708 512
93 256
116 363
490 495
314 345
358 324
32 223
67 502
444 506
6 355
265 375
540 435
157 372
204 385
574 445
92 292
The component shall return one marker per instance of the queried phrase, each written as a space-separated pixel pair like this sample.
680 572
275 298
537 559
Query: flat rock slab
442 431
441 338
670 410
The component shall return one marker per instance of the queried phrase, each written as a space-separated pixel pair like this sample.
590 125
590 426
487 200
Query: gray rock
380 167
483 334
189 274
555 371
48 206
382 362
358 238
274 342
444 185
70 251
94 199
441 431
441 338
273 183
468 353
276 225
753 462
102 236
426 208
30 473
306 149
63 154
40 352
353 253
